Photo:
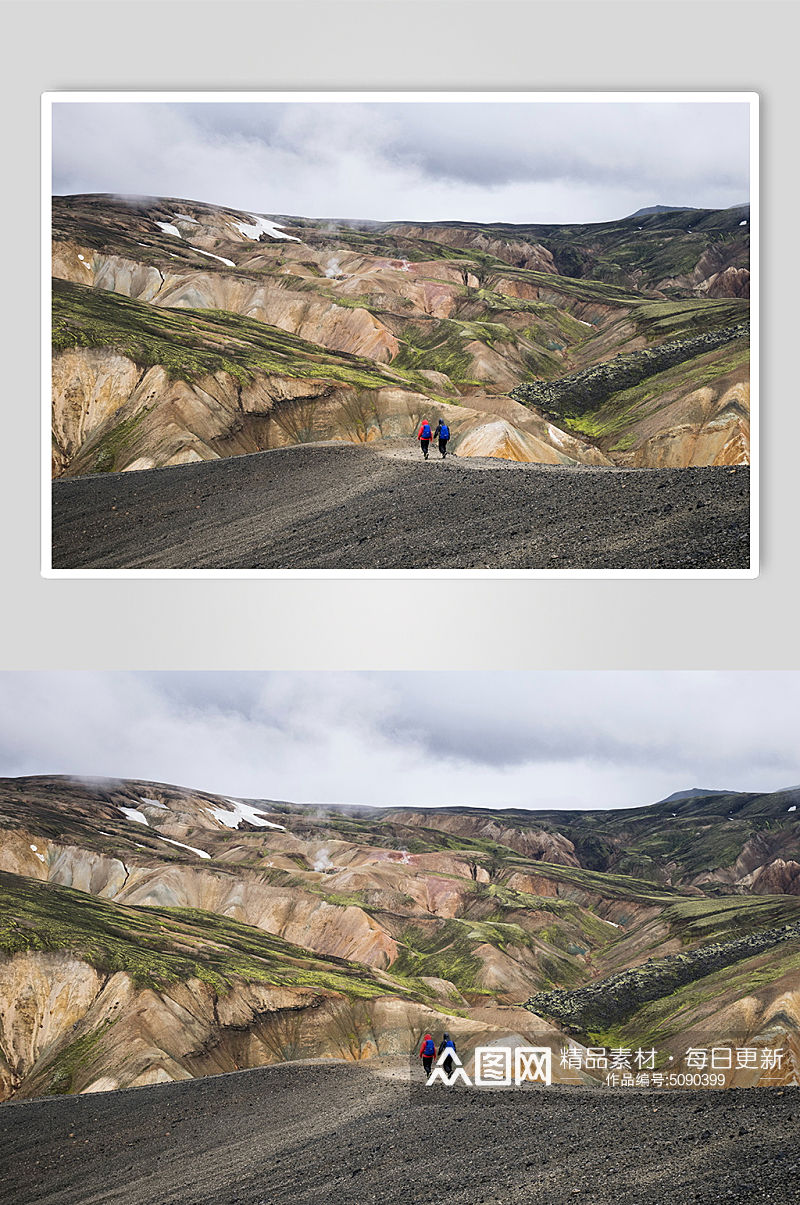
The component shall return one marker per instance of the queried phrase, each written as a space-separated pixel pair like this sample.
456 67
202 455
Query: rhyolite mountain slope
184 331
151 932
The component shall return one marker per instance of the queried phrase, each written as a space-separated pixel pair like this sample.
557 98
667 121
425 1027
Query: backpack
444 431
449 1044
429 1049
425 433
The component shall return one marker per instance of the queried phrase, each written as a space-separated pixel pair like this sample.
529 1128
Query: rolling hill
184 331
153 933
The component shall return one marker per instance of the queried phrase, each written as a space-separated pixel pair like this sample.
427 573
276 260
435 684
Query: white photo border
49 99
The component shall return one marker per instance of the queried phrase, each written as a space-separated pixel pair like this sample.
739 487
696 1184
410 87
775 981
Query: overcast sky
536 739
509 162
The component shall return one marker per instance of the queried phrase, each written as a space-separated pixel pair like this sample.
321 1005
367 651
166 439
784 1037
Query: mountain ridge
648 209
443 316
152 932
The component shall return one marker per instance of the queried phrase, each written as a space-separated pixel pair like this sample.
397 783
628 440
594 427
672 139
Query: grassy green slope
729 946
161 946
610 423
191 344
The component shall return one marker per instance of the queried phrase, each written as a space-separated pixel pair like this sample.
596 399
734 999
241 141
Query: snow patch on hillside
153 803
242 811
135 814
168 228
263 226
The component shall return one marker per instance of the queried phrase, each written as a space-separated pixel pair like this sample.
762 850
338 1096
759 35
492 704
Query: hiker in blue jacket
442 433
447 1044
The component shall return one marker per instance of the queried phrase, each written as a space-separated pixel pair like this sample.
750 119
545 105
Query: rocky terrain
152 933
623 402
189 332
316 1133
381 506
615 999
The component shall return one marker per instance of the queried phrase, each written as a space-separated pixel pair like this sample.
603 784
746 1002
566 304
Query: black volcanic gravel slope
348 506
336 1134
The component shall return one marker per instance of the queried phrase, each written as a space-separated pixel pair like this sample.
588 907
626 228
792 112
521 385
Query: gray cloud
515 162
624 719
497 739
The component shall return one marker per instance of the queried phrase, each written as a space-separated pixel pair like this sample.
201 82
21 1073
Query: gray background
321 624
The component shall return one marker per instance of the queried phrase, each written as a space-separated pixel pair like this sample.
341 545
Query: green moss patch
191 344
161 946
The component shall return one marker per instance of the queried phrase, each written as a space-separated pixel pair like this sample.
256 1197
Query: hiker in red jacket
424 435
427 1052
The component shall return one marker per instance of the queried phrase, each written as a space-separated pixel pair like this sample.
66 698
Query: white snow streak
135 814
242 811
168 228
229 262
263 226
200 852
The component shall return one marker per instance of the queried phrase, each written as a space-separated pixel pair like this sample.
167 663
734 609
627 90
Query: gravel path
337 1134
350 506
